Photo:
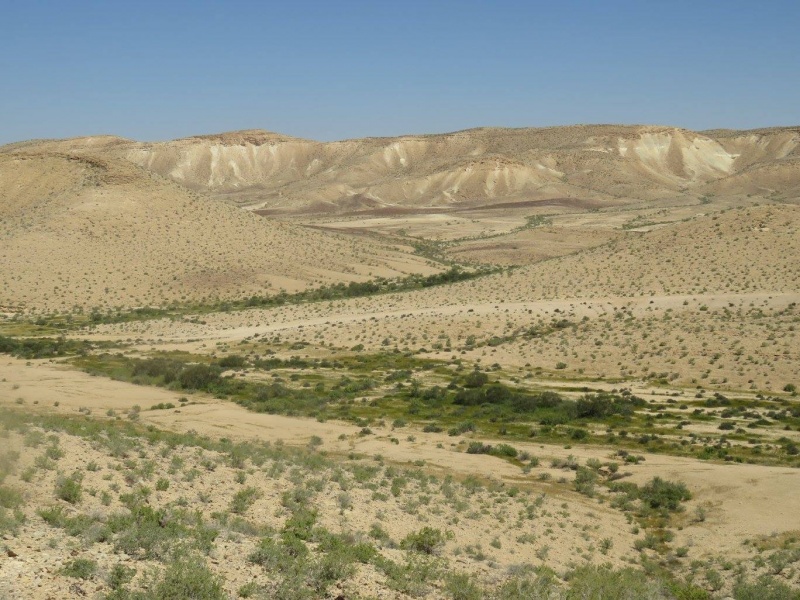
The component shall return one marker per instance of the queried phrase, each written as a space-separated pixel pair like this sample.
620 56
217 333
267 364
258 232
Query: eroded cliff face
264 170
608 164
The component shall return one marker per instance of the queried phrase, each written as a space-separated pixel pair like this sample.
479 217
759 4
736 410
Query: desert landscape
496 363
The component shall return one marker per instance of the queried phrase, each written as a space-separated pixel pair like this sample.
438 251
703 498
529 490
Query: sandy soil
743 501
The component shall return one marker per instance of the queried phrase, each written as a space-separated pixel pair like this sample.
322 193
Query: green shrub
148 533
478 448
412 578
593 582
248 590
300 525
461 586
476 379
198 377
503 450
244 499
528 584
69 488
578 434
186 579
9 497
427 540
119 576
766 588
278 556
661 494
80 568
461 428
234 361
585 480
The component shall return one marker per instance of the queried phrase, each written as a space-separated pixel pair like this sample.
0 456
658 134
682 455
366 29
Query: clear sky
338 69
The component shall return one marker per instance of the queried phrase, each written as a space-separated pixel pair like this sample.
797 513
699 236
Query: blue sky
334 70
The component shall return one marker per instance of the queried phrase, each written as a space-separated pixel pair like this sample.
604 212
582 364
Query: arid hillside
603 165
89 231
588 389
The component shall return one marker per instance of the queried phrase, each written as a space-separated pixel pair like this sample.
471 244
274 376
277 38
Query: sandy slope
665 301
90 232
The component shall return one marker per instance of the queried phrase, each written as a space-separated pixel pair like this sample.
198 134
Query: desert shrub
69 488
199 377
461 428
163 368
244 499
300 525
604 404
148 533
625 584
578 434
503 450
188 578
661 494
10 515
80 568
278 556
42 347
345 545
119 576
9 497
476 379
527 583
248 590
765 588
461 586
585 480
427 540
10 520
412 578
88 527
234 361
478 448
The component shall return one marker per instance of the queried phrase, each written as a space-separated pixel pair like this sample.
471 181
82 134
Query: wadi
495 363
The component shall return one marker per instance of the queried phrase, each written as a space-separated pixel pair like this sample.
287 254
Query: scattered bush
427 540
244 499
188 578
233 361
69 488
80 568
661 494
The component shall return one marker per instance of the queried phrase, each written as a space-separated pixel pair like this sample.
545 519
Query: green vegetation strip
370 389
339 291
